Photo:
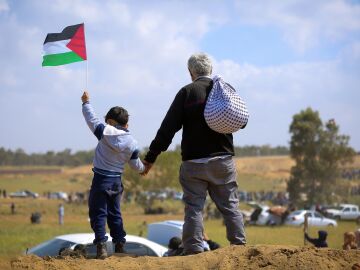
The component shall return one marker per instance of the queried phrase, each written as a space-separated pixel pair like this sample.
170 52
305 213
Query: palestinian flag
65 47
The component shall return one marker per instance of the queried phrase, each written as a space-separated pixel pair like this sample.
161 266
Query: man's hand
85 97
147 167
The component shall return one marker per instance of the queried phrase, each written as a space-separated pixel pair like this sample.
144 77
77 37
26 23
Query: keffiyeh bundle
225 112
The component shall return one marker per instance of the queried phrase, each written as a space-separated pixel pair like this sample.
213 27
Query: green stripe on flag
60 59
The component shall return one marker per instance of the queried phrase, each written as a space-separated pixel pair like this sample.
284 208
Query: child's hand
147 167
85 97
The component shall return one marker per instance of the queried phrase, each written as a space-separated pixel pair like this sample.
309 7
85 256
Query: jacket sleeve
311 240
135 163
171 124
92 120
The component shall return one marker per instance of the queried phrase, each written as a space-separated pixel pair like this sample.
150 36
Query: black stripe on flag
67 33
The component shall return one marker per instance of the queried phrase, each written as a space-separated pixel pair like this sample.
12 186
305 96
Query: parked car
23 194
297 218
177 195
134 245
262 215
162 232
344 212
59 195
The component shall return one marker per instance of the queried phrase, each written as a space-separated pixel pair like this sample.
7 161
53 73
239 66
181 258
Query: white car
162 232
59 195
23 194
297 218
134 245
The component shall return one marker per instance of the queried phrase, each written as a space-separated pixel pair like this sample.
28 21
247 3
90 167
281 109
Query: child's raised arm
92 120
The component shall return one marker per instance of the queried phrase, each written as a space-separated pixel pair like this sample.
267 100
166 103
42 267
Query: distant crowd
277 198
351 174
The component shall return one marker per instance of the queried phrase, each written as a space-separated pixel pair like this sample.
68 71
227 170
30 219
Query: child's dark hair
118 114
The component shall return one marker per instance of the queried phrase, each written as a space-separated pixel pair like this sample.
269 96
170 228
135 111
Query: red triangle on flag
77 43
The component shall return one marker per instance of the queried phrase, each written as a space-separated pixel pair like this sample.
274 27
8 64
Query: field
17 233
254 174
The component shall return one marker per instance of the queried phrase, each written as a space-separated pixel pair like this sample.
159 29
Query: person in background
61 213
12 207
357 238
175 247
212 245
319 242
142 228
349 241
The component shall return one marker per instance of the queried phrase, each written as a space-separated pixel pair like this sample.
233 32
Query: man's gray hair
200 64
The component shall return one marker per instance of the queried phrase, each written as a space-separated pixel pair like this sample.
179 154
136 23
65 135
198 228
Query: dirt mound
232 257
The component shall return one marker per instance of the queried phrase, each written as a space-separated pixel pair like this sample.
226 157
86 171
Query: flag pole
86 74
87 65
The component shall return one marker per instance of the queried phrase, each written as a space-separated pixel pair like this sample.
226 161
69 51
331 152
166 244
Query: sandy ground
232 257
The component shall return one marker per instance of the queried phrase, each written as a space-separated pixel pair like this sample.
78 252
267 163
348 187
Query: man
207 159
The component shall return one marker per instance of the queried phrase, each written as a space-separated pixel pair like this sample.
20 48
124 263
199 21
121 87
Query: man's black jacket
187 112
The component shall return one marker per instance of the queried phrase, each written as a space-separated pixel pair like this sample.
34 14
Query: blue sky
281 56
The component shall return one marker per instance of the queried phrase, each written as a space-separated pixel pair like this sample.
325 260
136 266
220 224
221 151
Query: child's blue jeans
104 205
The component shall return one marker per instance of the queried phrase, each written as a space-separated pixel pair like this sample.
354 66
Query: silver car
297 218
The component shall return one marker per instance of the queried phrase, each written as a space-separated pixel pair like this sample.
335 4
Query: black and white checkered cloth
225 112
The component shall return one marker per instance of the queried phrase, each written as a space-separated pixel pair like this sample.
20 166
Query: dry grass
268 167
274 166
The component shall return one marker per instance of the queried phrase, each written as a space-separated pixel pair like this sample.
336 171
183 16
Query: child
115 147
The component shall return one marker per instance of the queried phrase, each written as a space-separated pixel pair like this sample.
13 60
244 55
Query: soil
232 257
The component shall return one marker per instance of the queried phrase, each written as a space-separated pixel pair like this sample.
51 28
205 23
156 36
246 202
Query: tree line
317 147
66 157
63 158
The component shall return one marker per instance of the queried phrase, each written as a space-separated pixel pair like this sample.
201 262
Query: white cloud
88 11
285 83
137 58
8 80
4 5
275 93
304 24
350 58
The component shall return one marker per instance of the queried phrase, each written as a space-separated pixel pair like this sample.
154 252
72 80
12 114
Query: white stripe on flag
56 47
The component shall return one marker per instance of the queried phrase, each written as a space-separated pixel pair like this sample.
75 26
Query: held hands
85 97
147 167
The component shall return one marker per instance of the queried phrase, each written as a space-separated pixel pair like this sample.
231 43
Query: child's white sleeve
91 119
135 162
137 165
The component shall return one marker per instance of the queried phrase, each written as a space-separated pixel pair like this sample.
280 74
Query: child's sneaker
101 252
119 247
